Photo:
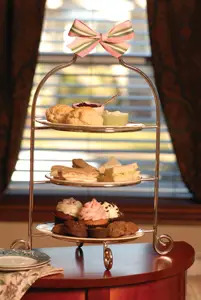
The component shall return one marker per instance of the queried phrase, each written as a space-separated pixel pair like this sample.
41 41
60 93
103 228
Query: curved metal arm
32 142
157 152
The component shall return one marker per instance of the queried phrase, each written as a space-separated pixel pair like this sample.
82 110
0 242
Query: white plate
17 259
92 184
46 228
86 128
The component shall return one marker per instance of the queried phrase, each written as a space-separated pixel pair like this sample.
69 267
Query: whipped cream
93 210
115 113
69 206
111 210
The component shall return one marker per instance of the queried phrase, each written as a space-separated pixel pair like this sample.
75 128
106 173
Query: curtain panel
20 30
175 34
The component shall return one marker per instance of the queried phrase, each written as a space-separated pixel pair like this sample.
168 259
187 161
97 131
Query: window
96 78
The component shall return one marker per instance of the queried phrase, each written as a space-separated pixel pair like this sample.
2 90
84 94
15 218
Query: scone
58 113
84 116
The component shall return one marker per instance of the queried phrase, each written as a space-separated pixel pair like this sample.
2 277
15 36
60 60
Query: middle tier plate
92 184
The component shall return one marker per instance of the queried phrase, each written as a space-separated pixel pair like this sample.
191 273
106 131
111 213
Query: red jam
82 104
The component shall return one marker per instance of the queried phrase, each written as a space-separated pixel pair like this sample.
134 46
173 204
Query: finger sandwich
74 174
122 173
80 163
112 162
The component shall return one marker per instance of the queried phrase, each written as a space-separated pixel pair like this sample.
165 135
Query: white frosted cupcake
67 209
112 211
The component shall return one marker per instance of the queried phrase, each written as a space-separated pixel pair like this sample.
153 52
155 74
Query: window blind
96 78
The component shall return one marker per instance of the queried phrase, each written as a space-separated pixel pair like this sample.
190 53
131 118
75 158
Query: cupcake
75 228
121 228
93 214
98 232
67 209
112 211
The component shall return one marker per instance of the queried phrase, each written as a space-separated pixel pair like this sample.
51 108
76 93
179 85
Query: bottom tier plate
46 228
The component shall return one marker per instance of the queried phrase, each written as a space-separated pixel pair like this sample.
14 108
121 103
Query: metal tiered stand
162 244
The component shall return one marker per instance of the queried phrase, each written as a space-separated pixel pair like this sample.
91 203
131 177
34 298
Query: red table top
133 263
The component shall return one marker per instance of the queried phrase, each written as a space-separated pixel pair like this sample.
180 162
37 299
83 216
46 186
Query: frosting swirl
92 210
69 206
112 211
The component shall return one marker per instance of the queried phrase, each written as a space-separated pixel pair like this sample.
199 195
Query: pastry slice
122 173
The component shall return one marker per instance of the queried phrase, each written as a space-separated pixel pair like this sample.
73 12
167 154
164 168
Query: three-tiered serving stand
162 244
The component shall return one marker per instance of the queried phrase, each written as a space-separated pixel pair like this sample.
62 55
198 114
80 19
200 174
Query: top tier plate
86 128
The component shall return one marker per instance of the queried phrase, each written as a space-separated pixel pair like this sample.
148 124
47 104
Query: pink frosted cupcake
93 214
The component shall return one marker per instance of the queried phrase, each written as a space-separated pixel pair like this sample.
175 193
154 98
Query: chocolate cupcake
58 229
98 232
75 228
67 209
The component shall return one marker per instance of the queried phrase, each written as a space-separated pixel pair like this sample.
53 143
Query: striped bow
113 41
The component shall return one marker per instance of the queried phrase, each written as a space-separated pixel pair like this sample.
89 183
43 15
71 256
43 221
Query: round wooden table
138 273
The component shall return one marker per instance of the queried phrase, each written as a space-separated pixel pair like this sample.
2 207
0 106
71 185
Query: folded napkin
13 285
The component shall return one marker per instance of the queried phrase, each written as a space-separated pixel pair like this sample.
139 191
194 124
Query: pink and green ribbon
113 41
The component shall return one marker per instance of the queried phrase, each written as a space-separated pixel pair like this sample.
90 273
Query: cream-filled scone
115 118
84 116
98 107
112 211
58 113
93 214
122 173
67 209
